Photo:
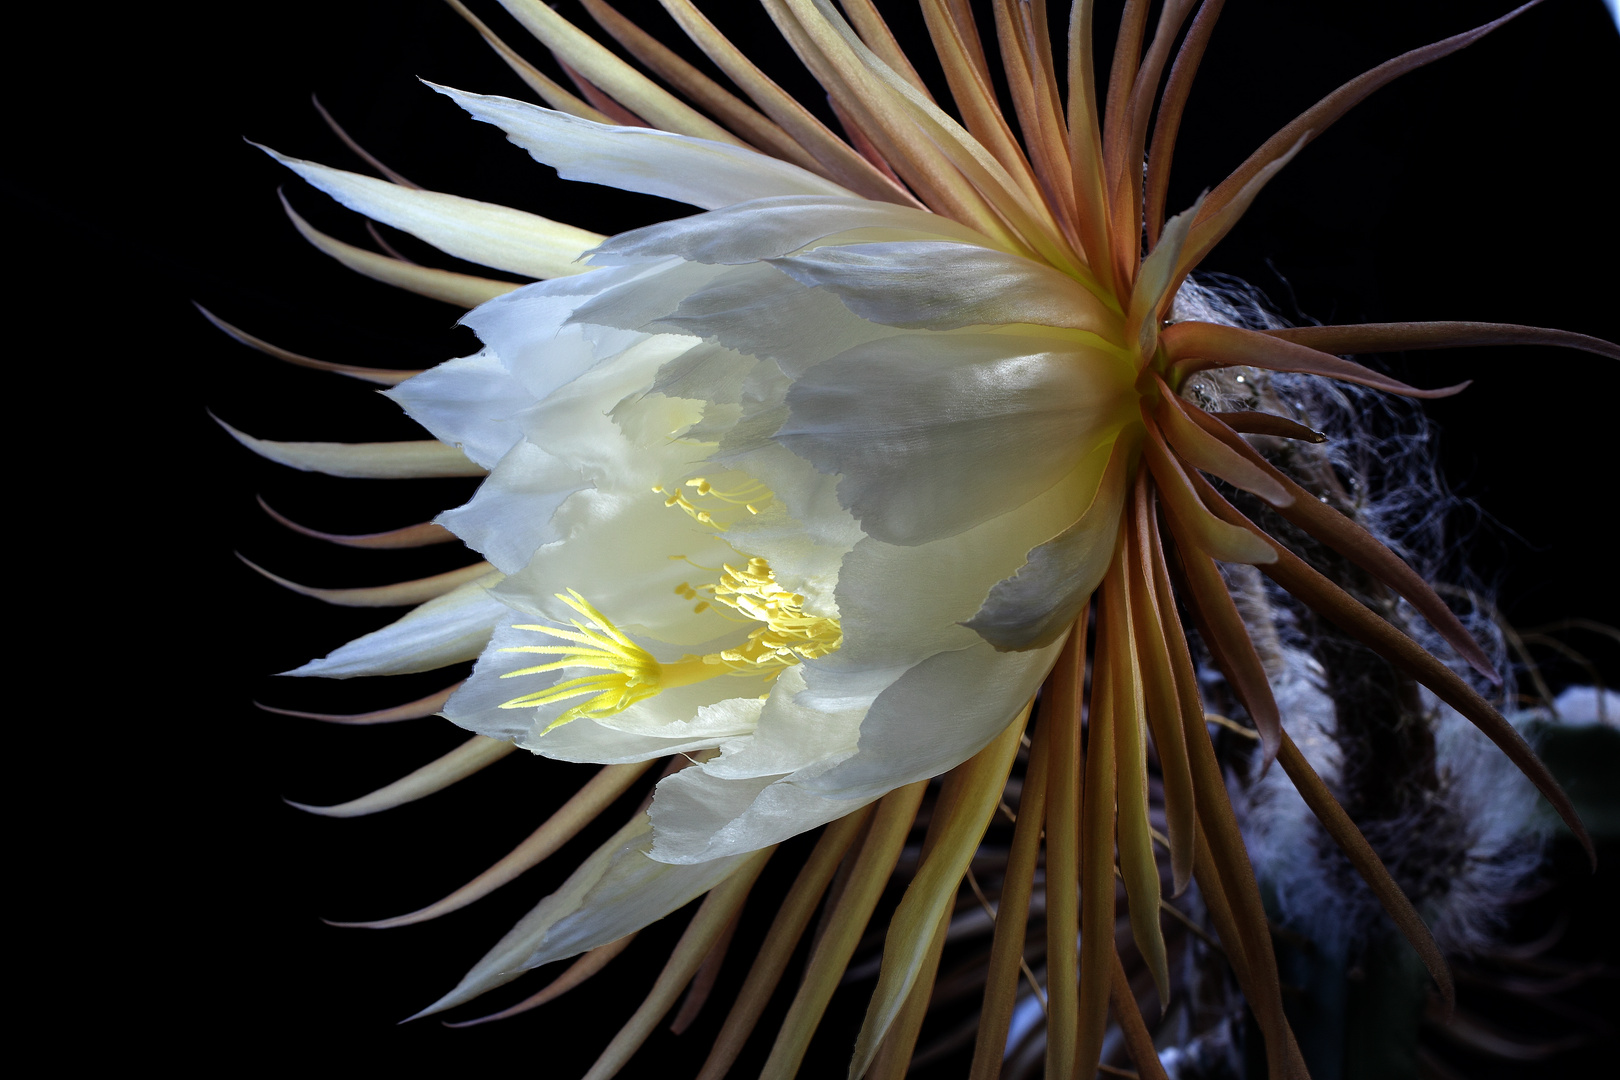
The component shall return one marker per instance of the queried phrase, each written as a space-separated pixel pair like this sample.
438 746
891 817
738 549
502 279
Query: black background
181 892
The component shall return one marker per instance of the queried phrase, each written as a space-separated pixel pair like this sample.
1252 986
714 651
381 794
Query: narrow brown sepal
1193 346
411 710
411 536
1404 336
382 376
1365 550
1339 608
1264 423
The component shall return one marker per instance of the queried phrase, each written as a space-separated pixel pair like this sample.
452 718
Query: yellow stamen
751 496
631 674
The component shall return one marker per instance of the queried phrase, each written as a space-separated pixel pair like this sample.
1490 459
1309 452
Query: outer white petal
1036 604
468 403
510 515
935 434
936 716
479 232
901 604
748 796
525 328
759 310
932 718
721 724
452 628
617 891
606 423
767 228
657 292
810 722
944 286
698 816
694 171
619 553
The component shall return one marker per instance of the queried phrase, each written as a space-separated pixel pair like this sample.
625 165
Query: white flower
812 489
677 580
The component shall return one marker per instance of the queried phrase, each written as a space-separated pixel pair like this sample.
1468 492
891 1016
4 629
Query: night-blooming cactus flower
811 491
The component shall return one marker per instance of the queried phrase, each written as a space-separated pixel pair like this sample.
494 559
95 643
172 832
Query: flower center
783 635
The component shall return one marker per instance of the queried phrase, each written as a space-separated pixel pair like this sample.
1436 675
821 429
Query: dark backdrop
1474 189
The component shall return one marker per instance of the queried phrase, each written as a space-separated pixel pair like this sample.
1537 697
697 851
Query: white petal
698 817
767 228
759 310
1033 606
468 403
695 171
609 427
452 628
936 716
619 551
525 328
510 516
479 232
943 286
901 604
936 433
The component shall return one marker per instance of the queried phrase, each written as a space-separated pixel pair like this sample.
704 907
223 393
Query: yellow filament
630 674
750 496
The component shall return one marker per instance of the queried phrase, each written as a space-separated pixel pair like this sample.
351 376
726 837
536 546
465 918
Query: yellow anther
628 673
751 495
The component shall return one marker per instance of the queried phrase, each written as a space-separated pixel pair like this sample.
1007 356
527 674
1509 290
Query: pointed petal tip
323 811
448 1001
374 924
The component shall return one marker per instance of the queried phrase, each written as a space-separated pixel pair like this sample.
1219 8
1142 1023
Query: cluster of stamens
750 496
629 674
788 636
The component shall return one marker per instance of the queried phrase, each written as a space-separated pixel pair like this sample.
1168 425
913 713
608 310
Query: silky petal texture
616 891
624 549
527 329
759 310
944 286
467 403
935 434
750 795
936 716
773 227
480 232
1045 596
701 817
674 721
448 630
607 424
510 515
944 583
694 171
